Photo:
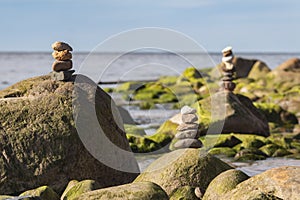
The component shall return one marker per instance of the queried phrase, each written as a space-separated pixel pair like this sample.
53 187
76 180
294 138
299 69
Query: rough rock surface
62 55
183 167
138 191
282 182
41 193
233 113
62 65
40 145
224 183
60 46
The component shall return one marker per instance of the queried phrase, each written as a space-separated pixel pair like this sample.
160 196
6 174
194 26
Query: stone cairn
187 131
63 63
228 69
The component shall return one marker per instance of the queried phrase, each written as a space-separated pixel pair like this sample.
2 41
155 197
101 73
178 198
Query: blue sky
250 26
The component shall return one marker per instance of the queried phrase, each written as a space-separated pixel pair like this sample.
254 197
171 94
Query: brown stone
62 55
60 46
62 65
291 65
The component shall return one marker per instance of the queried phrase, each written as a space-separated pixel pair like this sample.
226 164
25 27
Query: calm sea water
15 67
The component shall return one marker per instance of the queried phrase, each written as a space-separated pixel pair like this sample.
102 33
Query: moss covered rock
5 197
229 152
232 114
69 186
138 191
184 167
259 70
224 183
250 154
140 144
39 137
282 182
43 193
184 193
134 130
80 188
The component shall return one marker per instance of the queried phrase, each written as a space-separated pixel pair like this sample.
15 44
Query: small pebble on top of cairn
187 131
63 63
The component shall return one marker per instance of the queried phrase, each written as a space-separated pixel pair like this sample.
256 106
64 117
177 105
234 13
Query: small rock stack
187 131
63 63
228 69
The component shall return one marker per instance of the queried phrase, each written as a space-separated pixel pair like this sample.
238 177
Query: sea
109 69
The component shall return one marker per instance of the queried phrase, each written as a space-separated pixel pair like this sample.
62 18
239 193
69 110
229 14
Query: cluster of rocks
187 131
63 63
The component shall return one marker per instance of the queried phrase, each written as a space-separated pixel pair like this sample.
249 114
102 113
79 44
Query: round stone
60 46
184 127
188 143
62 65
186 134
62 55
187 110
189 118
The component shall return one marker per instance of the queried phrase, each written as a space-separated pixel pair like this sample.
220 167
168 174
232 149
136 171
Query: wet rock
62 65
183 167
60 46
62 55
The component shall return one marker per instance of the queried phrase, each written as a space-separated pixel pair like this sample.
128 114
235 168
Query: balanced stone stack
228 69
187 131
63 63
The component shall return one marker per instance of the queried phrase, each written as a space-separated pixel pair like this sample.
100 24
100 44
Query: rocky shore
44 154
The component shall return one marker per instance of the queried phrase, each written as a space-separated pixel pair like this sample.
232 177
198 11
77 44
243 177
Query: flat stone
62 55
184 127
188 143
62 65
62 76
60 46
189 118
187 110
186 134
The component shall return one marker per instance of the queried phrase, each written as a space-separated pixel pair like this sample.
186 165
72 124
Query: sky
248 26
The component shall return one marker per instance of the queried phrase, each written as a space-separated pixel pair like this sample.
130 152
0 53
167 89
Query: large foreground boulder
184 167
52 132
226 112
282 182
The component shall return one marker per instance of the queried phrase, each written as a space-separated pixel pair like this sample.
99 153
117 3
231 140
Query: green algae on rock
80 188
183 167
223 183
40 142
132 191
43 193
184 193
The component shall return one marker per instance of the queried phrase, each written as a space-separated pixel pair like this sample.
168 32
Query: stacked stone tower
63 63
187 131
228 69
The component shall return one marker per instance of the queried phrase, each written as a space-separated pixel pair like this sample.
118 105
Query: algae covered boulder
282 182
42 193
52 132
79 188
232 113
223 183
184 193
183 167
138 191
